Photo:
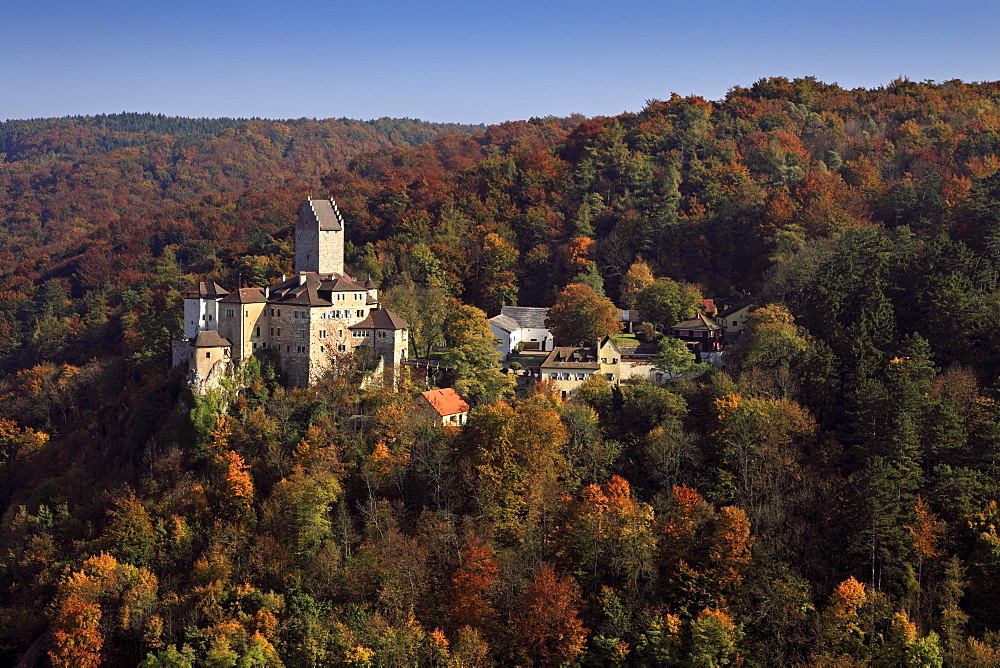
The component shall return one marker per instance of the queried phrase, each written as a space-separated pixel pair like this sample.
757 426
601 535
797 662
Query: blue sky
462 61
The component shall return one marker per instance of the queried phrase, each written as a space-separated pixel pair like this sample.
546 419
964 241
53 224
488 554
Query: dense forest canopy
828 497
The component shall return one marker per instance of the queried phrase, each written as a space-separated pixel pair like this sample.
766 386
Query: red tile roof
446 402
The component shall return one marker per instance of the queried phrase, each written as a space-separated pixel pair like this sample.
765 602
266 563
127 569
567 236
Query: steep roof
446 402
701 322
734 306
505 322
528 317
324 212
608 341
205 290
244 296
381 318
210 339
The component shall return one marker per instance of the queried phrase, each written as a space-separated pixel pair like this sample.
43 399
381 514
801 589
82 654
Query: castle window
255 346
361 314
210 317
208 354
230 313
303 333
258 331
295 314
272 331
322 349
322 333
288 349
279 331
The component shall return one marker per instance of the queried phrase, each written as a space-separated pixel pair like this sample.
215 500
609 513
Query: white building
524 325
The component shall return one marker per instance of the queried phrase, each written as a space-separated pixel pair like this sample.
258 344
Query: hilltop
828 497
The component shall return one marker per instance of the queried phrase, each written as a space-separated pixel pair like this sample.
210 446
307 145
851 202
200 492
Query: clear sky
462 61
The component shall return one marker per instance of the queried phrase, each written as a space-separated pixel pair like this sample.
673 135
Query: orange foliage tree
547 620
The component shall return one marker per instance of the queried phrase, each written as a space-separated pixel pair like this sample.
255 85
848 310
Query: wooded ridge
828 497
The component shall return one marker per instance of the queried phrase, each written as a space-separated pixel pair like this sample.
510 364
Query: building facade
305 320
568 367
521 326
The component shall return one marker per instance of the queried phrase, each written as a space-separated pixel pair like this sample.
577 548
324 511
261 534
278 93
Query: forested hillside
829 497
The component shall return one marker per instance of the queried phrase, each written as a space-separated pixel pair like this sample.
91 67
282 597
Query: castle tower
319 238
201 308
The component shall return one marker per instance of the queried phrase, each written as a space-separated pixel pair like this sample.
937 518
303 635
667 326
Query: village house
702 334
734 313
445 406
568 367
521 328
306 320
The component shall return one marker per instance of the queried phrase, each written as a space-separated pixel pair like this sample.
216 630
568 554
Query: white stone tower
319 238
201 308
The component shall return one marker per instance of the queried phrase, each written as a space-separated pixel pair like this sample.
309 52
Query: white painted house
524 325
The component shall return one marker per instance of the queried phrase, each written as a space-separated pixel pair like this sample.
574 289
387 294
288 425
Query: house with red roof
444 406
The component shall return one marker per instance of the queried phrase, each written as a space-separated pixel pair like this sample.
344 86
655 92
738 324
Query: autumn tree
636 279
665 302
472 586
613 535
547 619
580 317
516 460
472 357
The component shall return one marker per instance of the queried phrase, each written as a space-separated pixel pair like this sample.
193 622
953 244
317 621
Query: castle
307 320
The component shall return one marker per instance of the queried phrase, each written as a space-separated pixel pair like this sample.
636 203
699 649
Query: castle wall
207 366
180 352
246 327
